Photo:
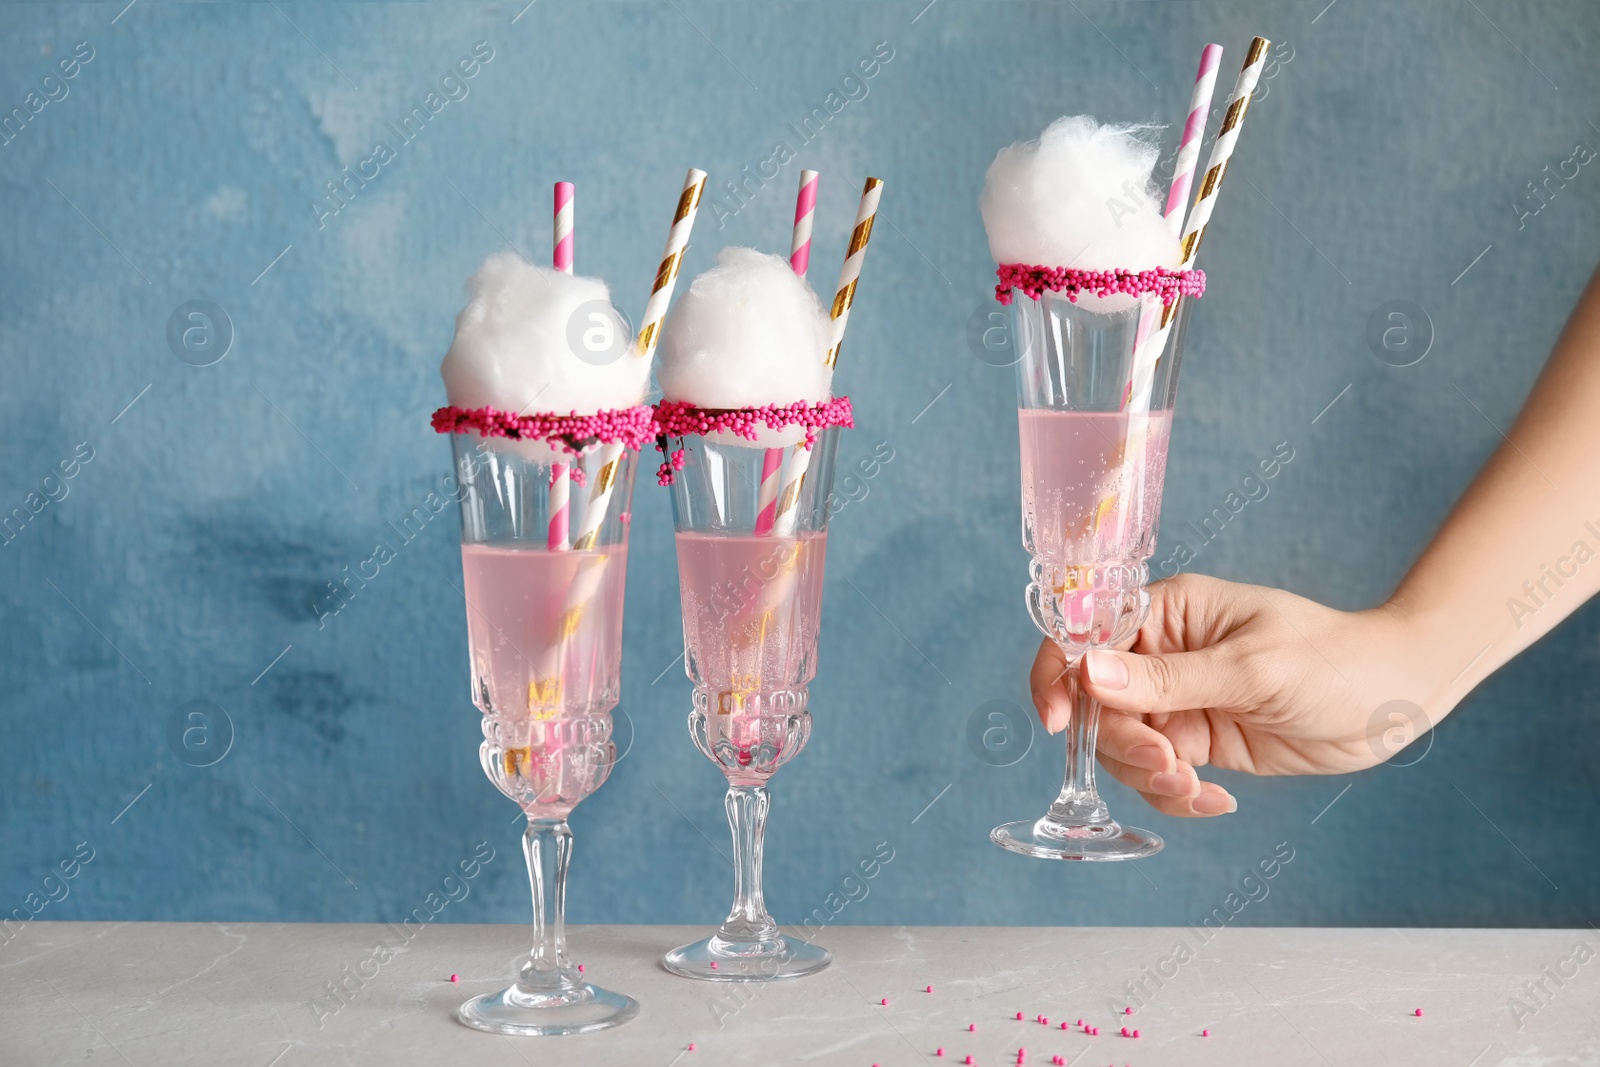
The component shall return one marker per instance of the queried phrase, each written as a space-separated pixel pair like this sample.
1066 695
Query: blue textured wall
182 162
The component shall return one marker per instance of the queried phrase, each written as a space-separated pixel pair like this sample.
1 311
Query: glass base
522 1012
716 959
1054 839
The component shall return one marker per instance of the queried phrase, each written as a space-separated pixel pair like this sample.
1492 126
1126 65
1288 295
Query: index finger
1047 680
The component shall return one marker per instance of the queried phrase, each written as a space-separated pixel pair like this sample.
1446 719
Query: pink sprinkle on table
928 990
713 965
938 1052
1127 1011
1019 1016
1418 1012
691 1046
884 1001
972 1028
1125 1032
1136 1033
1205 1033
580 968
455 978
1064 1026
968 1060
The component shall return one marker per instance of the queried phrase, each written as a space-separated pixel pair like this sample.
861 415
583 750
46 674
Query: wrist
1421 647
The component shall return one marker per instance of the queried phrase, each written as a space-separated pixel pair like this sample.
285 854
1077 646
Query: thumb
1145 685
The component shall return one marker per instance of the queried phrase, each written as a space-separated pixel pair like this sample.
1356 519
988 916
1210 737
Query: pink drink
1091 484
752 610
545 634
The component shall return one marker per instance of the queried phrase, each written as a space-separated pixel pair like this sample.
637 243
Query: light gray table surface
258 994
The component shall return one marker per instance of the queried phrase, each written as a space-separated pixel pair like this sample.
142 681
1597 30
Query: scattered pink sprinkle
1063 1026
1136 1033
455 978
691 1046
1205 1033
938 1052
968 1060
1019 1015
1127 1011
972 1028
1125 1031
884 1001
928 990
580 968
713 965
1418 1012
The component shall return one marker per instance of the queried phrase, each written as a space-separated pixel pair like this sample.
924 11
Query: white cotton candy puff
536 339
1082 195
747 332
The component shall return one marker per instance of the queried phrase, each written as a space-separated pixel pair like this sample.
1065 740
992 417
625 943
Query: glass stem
747 817
1080 801
547 844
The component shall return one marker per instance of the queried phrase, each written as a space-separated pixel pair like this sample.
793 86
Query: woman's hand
1241 677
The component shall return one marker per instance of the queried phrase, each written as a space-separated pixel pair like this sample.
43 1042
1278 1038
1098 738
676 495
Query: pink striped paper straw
560 511
1183 168
805 207
561 255
557 538
767 499
1194 131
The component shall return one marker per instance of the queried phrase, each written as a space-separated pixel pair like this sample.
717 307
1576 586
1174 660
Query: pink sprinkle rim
675 418
571 432
1035 280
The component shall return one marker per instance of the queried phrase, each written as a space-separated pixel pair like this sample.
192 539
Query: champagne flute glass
1094 456
752 608
544 625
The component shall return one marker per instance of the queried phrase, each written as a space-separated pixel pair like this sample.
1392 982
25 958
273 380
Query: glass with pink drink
1094 420
750 570
544 593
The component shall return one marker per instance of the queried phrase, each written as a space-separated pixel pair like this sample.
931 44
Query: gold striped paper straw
655 310
544 693
1194 229
1205 201
850 273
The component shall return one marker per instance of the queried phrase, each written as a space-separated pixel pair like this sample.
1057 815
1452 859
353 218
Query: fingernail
1057 718
1173 784
1150 757
1215 804
1106 670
